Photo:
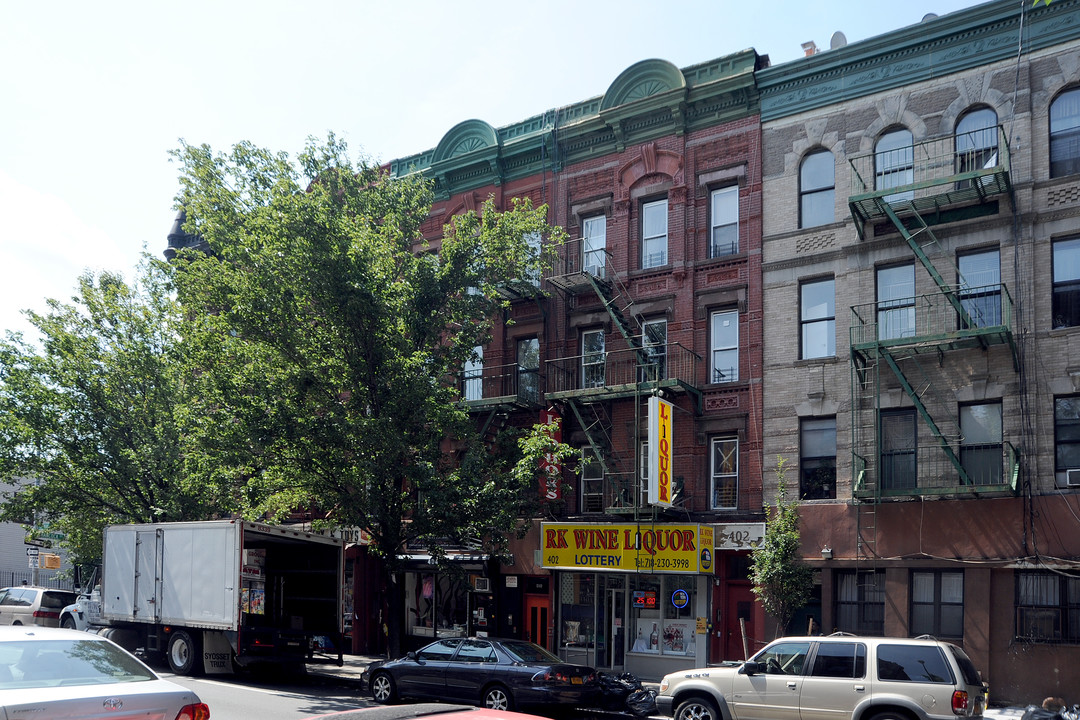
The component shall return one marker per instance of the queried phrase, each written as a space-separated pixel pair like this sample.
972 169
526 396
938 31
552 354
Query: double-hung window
594 245
899 467
860 602
817 458
937 603
980 288
593 359
654 341
724 362
976 143
1067 437
896 302
817 189
654 230
981 443
817 303
528 370
1065 134
592 482
724 470
1047 607
724 221
474 374
894 164
1065 307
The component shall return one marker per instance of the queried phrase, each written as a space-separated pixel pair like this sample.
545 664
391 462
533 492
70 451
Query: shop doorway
538 620
615 601
739 605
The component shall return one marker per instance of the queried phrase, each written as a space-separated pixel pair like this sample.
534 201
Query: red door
738 604
538 620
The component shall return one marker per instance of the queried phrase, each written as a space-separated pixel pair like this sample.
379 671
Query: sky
94 96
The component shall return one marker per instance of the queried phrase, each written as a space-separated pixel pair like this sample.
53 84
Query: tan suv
26 605
838 677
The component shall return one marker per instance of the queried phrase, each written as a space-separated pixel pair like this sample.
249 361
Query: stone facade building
921 271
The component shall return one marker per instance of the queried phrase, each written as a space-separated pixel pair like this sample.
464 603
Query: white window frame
723 350
817 320
594 245
592 482
593 363
895 310
724 216
474 375
717 476
654 247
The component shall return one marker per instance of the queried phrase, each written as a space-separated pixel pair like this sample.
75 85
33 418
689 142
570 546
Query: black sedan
495 673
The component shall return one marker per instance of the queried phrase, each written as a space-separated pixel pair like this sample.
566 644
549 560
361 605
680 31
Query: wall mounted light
826 553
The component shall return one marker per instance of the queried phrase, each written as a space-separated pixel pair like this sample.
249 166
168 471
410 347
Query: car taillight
550 676
198 711
959 702
46 614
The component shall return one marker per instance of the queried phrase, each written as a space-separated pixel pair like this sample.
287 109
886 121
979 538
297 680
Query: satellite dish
838 40
929 16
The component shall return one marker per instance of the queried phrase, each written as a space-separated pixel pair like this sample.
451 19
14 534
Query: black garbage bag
1034 712
642 702
613 691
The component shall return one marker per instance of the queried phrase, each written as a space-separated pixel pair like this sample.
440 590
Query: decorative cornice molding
935 48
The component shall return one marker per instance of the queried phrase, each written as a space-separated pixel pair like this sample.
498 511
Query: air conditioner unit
1072 478
482 584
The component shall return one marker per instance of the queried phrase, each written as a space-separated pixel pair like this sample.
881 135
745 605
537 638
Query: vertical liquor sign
550 469
659 452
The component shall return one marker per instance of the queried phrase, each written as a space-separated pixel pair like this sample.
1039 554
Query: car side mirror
751 668
412 656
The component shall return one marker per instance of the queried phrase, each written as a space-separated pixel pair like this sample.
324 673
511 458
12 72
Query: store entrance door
538 620
615 602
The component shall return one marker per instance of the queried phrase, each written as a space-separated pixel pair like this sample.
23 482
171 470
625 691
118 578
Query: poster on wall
678 637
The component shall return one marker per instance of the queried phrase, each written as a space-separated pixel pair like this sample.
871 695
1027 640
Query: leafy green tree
782 581
330 340
90 420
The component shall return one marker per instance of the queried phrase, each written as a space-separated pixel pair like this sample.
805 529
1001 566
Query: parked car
434 711
25 605
839 676
58 673
496 673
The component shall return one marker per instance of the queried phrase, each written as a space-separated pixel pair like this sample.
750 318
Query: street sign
31 551
40 542
32 562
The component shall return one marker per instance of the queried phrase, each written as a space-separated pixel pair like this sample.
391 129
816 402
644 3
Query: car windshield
526 652
45 663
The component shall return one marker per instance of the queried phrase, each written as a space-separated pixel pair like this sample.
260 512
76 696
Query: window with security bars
860 602
1047 607
937 603
724 465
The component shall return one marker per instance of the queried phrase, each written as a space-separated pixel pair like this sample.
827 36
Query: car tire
184 653
67 622
498 697
383 688
890 715
697 708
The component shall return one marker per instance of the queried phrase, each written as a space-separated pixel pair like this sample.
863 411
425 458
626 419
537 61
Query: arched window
1065 134
976 143
817 185
894 164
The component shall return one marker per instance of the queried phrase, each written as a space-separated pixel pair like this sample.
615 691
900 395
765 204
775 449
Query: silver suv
838 677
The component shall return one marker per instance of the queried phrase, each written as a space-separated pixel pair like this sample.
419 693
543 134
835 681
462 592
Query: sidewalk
349 672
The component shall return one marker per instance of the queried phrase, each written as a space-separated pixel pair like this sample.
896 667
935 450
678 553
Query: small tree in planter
782 581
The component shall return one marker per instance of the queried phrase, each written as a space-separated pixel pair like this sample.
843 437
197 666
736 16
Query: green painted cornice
648 100
952 43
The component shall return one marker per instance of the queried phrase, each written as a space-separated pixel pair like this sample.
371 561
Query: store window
578 610
662 618
436 604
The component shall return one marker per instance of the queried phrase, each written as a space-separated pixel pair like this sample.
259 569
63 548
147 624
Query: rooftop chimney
809 48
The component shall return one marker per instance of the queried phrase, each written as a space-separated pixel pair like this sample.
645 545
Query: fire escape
591 383
919 347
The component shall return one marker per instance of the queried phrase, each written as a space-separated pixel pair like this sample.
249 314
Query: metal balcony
930 176
619 373
990 469
505 386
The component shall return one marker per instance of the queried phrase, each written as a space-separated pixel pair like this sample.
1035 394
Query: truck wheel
67 622
184 654
383 689
697 709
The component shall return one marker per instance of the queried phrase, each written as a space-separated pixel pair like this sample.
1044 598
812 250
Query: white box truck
223 593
